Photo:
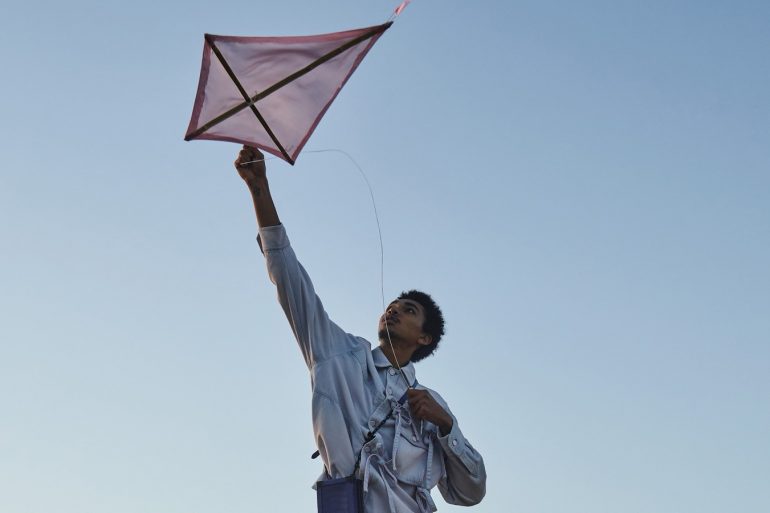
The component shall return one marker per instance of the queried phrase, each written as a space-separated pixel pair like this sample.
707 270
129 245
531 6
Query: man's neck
402 354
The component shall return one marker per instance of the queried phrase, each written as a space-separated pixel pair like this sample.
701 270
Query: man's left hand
424 407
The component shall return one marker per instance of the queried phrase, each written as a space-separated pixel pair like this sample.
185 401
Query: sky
583 187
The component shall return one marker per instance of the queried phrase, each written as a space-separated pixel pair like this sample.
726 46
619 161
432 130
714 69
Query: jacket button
454 442
392 371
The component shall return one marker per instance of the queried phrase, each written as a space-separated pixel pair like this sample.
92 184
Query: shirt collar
381 362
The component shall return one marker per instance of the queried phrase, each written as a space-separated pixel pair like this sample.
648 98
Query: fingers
248 155
243 156
420 403
413 394
425 407
252 153
420 411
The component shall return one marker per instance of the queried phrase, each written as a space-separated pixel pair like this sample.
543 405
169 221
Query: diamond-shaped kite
271 92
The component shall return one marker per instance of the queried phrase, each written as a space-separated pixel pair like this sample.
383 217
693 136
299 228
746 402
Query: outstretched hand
424 407
250 164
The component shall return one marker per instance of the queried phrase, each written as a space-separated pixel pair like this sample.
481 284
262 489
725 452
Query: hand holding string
250 165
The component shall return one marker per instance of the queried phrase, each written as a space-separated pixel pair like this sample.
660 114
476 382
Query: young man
356 389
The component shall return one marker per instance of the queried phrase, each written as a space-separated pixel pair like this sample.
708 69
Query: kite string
379 233
382 251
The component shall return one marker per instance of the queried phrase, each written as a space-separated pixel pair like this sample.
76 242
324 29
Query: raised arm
254 173
318 337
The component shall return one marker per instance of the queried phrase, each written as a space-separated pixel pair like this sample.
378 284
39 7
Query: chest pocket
410 457
413 453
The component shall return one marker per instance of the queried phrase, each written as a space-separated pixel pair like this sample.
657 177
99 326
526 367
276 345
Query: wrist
446 426
256 184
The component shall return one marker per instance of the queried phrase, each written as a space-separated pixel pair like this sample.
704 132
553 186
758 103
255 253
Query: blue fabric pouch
342 495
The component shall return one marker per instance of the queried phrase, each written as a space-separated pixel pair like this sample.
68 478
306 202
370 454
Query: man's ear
425 339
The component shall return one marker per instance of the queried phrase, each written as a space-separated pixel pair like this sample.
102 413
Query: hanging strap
370 434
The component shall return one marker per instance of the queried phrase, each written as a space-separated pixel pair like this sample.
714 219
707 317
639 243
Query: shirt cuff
272 237
454 441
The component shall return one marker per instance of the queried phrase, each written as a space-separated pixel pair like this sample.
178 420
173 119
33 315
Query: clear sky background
584 187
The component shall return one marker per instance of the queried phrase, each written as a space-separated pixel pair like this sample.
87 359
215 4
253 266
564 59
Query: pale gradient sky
584 187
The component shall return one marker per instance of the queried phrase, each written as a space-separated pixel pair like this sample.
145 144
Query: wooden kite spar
271 92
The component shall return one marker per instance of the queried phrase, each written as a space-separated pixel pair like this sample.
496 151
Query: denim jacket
354 388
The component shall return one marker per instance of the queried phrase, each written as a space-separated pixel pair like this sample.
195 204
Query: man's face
404 319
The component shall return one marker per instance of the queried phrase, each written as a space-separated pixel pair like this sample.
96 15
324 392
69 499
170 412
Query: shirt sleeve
318 337
464 481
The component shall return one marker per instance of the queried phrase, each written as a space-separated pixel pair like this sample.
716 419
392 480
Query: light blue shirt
354 388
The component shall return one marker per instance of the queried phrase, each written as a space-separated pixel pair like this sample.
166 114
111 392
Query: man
369 417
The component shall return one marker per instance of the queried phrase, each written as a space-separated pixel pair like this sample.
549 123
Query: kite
271 92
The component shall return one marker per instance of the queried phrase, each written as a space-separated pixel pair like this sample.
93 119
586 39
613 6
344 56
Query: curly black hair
433 325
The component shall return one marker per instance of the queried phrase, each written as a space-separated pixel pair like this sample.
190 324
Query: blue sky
583 187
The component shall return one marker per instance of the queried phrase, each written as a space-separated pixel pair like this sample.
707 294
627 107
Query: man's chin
384 336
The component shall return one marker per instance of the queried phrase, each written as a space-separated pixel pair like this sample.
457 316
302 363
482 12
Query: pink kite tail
401 7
